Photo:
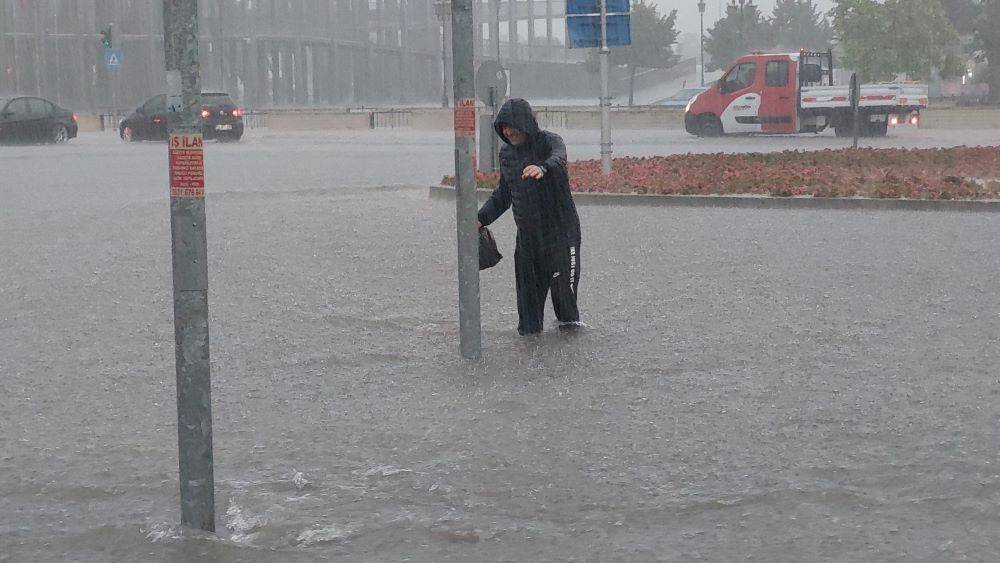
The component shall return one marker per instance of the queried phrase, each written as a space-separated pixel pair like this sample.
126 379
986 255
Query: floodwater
762 385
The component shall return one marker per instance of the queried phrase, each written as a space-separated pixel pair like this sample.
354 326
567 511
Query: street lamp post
701 10
443 10
742 42
744 4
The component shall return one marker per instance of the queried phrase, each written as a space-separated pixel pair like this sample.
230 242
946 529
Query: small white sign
175 97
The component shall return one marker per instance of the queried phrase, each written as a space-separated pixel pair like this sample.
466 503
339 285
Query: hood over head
518 114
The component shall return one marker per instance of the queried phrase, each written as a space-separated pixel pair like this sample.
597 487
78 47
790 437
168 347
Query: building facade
266 53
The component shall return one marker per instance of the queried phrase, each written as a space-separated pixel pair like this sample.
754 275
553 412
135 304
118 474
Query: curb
758 202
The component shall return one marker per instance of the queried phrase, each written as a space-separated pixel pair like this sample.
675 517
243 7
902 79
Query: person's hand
533 172
479 226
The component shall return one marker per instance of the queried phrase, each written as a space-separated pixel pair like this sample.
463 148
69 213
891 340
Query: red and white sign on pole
465 118
187 165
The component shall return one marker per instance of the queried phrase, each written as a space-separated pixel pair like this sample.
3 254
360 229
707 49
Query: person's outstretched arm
496 205
557 158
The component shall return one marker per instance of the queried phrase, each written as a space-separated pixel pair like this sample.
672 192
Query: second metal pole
462 40
855 103
190 257
444 61
605 53
701 6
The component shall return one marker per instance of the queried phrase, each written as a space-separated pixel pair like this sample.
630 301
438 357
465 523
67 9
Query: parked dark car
220 119
34 120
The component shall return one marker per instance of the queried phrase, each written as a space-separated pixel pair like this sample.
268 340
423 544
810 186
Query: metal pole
494 141
742 48
495 29
190 271
462 38
444 61
221 46
701 9
114 98
605 96
855 102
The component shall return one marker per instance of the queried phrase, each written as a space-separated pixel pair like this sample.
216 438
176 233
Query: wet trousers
539 268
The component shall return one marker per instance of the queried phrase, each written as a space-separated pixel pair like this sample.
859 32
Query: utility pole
742 42
701 10
221 46
855 103
495 28
466 202
107 39
744 5
605 54
442 8
190 265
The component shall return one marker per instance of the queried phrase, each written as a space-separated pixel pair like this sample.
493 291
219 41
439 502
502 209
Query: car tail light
894 120
237 112
915 120
206 114
74 116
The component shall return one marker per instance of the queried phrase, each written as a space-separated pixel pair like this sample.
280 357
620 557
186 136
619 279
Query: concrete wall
318 121
640 117
961 118
621 118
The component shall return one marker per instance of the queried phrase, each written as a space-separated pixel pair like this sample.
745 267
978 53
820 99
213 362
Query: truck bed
889 95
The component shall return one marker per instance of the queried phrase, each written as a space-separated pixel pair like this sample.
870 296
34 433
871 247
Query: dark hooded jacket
543 207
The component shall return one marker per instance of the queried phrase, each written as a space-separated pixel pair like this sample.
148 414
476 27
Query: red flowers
955 173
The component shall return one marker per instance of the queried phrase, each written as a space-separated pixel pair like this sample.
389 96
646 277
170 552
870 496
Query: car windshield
216 98
686 94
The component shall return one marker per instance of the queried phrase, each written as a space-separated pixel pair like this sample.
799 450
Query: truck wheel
847 129
843 126
878 128
710 126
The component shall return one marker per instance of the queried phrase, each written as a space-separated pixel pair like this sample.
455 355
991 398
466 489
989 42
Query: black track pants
538 268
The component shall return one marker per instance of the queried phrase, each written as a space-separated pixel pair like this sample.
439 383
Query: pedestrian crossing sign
113 58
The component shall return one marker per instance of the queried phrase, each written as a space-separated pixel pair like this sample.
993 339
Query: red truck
795 93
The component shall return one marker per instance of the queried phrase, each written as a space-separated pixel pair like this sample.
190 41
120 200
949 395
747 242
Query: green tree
963 14
741 31
882 40
798 24
653 39
987 42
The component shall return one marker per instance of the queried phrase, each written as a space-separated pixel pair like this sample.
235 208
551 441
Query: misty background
389 53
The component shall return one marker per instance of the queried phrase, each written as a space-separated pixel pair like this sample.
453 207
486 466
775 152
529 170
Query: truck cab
759 94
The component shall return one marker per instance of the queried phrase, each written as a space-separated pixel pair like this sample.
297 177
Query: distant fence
551 119
389 119
108 122
254 120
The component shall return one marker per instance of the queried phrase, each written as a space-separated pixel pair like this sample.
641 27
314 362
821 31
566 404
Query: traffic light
106 37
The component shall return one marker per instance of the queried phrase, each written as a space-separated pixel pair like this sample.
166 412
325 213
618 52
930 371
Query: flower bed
954 173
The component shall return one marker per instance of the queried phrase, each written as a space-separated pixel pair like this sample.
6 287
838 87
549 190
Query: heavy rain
746 307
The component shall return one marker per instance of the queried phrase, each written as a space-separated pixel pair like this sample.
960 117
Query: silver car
681 97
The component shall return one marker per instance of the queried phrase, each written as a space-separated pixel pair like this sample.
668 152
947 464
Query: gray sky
687 11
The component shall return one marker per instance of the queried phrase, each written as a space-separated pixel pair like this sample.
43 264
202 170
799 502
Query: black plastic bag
489 255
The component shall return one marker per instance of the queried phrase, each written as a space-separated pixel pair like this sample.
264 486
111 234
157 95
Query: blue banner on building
585 31
575 7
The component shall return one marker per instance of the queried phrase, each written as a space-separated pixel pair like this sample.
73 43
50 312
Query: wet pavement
765 385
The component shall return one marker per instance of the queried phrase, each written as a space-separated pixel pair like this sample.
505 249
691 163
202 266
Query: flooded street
762 385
